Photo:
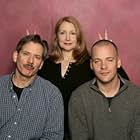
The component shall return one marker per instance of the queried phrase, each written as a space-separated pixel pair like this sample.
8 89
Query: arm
136 128
54 129
77 119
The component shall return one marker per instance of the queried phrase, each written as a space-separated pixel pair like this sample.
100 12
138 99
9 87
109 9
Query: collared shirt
38 115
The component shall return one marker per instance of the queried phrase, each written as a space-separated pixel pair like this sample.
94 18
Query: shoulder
133 86
4 79
47 68
83 95
48 61
86 61
48 93
134 94
45 83
83 90
85 65
47 87
131 89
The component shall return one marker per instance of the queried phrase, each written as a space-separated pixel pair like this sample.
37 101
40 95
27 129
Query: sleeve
54 127
136 128
77 119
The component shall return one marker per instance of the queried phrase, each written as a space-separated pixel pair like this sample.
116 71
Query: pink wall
121 18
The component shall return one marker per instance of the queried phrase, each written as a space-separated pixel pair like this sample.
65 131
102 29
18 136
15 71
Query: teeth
29 67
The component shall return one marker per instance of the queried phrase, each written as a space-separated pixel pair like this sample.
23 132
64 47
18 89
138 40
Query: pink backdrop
121 18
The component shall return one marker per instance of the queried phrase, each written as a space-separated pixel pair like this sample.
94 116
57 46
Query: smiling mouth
104 73
29 67
67 43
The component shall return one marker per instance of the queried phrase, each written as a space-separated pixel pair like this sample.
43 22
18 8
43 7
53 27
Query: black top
76 75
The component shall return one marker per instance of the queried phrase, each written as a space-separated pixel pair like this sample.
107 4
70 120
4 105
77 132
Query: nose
67 36
103 65
30 59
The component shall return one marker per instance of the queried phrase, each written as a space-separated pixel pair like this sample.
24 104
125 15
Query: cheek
115 66
19 65
38 64
74 39
60 39
19 60
61 44
95 68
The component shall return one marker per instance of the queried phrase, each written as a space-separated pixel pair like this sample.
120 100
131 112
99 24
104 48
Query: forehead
33 48
67 26
103 51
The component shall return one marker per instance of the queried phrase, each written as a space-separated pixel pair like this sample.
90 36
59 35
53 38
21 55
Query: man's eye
38 57
25 53
96 61
110 60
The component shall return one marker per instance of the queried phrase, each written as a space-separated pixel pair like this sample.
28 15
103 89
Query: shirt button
15 123
14 96
9 136
19 109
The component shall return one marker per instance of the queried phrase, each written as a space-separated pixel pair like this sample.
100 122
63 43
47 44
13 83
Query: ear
41 65
119 63
15 55
91 64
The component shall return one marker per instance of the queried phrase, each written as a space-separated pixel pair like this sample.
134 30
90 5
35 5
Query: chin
28 74
105 80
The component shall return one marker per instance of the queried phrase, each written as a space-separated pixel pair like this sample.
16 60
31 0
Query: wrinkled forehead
33 48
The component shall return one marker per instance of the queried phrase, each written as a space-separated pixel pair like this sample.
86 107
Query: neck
109 89
21 81
67 56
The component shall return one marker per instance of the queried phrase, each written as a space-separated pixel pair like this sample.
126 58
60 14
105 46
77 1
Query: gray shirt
38 115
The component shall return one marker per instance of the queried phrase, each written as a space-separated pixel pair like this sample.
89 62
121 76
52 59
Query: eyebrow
30 52
105 58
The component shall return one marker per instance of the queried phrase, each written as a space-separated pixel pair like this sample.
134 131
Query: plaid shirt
38 115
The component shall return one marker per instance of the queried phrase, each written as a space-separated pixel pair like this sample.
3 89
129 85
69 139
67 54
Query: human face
67 36
105 62
29 60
